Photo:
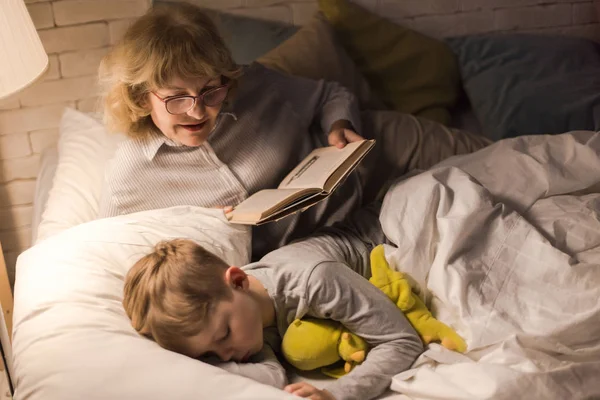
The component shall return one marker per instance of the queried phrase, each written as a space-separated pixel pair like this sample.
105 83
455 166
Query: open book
313 180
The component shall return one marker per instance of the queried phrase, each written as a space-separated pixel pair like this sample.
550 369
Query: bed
72 339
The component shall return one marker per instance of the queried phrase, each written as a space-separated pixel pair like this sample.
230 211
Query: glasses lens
215 97
179 105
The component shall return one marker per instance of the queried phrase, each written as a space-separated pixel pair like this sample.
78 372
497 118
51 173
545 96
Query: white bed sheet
505 244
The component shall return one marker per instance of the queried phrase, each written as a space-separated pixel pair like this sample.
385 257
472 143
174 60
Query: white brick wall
72 12
77 33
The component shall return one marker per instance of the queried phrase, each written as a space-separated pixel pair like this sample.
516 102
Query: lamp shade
22 55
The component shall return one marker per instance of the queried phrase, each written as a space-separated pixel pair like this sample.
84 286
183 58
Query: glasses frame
200 97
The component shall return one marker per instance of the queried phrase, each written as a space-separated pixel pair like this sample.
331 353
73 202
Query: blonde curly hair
175 40
170 293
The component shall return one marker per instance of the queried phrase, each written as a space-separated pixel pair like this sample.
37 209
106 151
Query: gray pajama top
324 276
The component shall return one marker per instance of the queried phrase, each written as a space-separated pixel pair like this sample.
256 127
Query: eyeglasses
181 104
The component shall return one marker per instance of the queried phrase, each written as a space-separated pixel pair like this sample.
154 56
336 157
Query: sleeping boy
191 302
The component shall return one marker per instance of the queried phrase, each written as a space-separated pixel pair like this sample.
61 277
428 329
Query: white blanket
504 244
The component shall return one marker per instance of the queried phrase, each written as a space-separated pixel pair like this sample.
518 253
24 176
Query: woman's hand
341 134
227 210
304 389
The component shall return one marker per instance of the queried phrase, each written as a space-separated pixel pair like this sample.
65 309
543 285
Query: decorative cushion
314 52
530 84
410 72
249 38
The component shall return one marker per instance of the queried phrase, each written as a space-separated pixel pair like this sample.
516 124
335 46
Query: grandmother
205 131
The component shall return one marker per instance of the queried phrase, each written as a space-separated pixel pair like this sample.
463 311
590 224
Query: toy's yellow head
315 343
312 343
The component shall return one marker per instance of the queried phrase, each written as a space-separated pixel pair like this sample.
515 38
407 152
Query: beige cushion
313 52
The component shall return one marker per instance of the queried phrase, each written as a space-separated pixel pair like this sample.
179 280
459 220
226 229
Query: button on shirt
271 123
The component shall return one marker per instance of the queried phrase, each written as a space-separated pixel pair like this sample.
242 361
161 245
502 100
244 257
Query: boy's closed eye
225 336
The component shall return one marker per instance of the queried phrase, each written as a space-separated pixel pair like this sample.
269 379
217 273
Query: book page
265 202
299 206
318 166
346 167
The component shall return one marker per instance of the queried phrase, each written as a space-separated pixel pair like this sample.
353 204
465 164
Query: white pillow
84 147
72 338
43 185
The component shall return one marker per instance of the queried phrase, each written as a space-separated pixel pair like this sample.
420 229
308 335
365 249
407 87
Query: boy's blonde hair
175 40
170 293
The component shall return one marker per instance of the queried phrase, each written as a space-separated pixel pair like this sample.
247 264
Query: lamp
22 61
22 56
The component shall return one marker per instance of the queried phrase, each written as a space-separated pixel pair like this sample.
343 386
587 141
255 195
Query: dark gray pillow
247 38
530 84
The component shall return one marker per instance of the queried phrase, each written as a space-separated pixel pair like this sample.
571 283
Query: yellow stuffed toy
329 341
313 343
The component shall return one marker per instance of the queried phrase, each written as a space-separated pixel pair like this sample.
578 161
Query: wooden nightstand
6 301
6 297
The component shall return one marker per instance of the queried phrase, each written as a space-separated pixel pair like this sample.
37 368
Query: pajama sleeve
336 292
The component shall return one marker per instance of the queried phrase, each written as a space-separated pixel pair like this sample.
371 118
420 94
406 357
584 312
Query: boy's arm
263 367
349 242
335 292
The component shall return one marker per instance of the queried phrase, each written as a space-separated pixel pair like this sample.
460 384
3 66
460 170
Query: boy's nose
225 354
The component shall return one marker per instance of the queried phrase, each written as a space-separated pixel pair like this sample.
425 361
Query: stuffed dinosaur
313 343
329 341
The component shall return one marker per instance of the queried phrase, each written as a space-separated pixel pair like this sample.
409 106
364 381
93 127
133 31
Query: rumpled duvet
504 245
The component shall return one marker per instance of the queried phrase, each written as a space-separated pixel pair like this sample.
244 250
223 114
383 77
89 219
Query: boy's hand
304 389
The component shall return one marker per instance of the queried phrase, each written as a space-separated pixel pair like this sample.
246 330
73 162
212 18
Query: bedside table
6 301
6 297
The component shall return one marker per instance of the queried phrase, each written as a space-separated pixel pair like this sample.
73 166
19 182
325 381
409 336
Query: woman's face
189 128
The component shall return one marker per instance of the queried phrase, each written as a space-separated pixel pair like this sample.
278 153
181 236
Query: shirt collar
152 143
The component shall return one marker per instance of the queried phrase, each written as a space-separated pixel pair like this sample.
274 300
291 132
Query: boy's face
235 330
190 128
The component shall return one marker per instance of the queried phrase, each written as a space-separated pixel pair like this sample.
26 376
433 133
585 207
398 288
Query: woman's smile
194 127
